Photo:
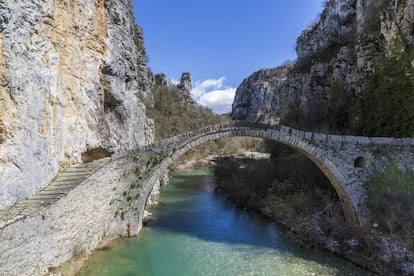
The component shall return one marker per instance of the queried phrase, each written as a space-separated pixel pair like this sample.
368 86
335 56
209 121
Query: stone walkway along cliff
64 182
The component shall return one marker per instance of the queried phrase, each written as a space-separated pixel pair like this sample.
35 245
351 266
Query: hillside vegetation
174 115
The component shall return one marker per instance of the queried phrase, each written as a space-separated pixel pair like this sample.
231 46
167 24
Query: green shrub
137 183
156 159
339 107
390 198
139 169
387 103
113 201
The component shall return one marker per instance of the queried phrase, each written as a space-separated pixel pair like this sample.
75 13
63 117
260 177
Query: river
196 232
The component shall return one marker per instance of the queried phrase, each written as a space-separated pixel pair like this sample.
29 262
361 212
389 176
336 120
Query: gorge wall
340 52
72 78
354 74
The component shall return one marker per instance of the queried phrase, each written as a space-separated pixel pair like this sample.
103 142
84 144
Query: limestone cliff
185 86
72 78
339 51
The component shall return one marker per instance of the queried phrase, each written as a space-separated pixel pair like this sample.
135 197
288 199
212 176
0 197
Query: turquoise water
196 232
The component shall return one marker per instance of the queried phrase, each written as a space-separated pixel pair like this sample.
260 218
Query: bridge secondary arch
313 152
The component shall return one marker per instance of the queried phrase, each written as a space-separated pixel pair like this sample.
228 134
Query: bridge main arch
179 145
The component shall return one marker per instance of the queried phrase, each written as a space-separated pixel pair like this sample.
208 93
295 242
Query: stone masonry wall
75 223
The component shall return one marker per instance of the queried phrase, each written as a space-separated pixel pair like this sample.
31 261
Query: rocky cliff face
341 49
260 97
185 86
72 79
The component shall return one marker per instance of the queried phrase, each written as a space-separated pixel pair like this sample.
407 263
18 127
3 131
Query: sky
221 42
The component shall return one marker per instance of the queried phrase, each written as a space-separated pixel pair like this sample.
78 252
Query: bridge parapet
359 144
348 139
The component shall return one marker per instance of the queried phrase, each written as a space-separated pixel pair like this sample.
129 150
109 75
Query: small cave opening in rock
95 154
360 162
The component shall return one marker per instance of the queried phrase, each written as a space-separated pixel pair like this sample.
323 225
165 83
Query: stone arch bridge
347 161
105 198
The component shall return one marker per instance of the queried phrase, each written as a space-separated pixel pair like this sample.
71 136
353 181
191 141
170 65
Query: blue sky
221 42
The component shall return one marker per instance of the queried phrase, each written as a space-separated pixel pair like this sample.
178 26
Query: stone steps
54 188
75 173
78 169
73 177
64 182
67 181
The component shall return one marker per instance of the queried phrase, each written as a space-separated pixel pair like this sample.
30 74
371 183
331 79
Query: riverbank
367 248
311 217
75 264
209 161
195 231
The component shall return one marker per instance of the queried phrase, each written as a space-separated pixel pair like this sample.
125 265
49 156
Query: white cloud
219 101
214 94
202 87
